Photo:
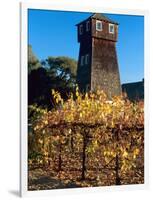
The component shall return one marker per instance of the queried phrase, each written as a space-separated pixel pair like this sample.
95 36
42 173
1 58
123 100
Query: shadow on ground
43 181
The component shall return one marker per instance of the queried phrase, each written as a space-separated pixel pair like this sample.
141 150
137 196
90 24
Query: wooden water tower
97 63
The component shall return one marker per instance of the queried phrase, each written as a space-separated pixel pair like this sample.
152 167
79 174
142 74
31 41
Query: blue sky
53 33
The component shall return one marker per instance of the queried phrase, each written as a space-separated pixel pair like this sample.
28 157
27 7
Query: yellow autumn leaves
57 97
90 108
93 107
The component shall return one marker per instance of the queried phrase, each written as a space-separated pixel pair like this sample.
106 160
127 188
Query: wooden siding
84 71
104 34
104 69
86 34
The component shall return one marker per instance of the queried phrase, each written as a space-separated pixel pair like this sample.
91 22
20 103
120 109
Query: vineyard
86 141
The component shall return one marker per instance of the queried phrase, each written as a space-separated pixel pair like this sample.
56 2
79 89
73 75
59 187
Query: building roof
134 91
99 16
133 83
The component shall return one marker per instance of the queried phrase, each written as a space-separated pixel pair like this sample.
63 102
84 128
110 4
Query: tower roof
100 16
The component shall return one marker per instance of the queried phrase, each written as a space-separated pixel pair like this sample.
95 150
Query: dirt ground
40 179
44 179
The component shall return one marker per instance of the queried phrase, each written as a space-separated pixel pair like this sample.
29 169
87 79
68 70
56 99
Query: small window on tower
99 25
87 26
81 29
87 59
111 28
82 60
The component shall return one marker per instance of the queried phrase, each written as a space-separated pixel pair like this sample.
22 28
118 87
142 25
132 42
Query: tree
64 68
39 86
56 73
33 61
